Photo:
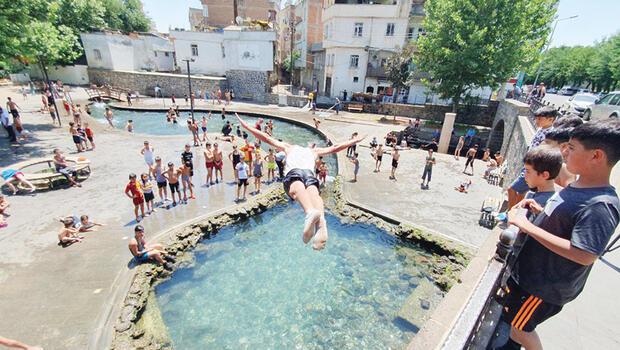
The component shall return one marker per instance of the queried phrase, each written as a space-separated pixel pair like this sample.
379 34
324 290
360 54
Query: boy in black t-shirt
567 237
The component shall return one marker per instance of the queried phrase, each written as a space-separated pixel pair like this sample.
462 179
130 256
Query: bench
355 107
45 179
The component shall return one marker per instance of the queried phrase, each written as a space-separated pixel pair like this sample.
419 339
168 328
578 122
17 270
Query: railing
535 103
106 91
477 324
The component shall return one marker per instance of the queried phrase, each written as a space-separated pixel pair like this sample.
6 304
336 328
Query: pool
255 285
154 123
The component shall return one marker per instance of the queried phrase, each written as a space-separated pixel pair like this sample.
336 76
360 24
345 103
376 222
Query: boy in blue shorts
568 235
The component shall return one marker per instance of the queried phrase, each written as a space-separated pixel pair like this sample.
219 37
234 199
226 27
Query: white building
217 52
133 52
358 37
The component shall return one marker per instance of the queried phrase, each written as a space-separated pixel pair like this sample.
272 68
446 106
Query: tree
398 68
287 61
81 16
478 43
48 44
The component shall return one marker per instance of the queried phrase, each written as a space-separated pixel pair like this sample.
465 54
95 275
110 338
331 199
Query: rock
414 309
137 333
123 326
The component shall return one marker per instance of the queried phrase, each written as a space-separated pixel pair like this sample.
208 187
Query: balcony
376 72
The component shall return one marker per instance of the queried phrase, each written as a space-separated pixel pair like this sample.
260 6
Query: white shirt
242 170
4 118
299 158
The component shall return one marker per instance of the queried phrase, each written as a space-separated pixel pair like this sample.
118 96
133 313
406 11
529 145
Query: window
354 62
97 54
155 52
410 32
389 30
194 50
359 29
417 10
356 79
383 62
420 33
167 54
615 100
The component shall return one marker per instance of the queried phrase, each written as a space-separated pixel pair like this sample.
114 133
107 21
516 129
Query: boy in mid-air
567 237
301 184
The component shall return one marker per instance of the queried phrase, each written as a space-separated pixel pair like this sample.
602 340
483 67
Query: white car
578 103
606 107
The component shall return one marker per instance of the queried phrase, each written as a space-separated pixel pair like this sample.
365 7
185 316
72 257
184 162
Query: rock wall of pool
244 279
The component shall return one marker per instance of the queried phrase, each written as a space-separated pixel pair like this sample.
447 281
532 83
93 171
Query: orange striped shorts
524 311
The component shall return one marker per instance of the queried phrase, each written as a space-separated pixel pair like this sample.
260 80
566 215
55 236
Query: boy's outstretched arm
262 135
339 147
558 245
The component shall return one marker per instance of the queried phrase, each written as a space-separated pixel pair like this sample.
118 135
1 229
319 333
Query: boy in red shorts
133 190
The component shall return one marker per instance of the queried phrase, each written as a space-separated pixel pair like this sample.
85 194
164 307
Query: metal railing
477 324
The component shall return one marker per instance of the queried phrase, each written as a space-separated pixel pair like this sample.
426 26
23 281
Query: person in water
300 182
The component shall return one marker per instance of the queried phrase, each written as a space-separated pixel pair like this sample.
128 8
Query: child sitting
86 225
69 234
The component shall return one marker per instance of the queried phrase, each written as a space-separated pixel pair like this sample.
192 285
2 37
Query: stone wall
145 82
249 85
467 114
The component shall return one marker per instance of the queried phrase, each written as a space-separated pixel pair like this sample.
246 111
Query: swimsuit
394 163
77 139
159 177
258 169
271 165
148 157
174 187
299 165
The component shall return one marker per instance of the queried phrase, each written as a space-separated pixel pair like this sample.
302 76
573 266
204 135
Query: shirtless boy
69 234
218 163
185 173
395 158
158 174
108 116
77 139
143 251
209 163
471 156
301 184
173 182
378 158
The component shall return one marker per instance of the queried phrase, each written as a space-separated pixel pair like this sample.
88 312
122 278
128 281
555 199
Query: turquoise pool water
154 123
255 285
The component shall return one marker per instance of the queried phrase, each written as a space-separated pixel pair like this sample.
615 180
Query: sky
597 19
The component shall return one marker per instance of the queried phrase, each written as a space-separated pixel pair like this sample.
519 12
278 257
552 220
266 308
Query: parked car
578 103
552 90
606 107
585 91
568 90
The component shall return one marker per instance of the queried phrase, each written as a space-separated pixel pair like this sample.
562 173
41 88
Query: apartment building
220 13
358 38
308 37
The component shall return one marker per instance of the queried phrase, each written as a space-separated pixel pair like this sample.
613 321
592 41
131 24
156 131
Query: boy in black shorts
395 158
567 236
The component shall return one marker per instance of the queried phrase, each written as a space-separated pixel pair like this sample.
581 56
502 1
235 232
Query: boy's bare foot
312 217
320 239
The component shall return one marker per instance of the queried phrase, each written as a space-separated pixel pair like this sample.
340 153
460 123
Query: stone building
220 13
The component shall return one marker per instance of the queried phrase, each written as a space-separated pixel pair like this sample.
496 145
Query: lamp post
49 86
548 44
189 83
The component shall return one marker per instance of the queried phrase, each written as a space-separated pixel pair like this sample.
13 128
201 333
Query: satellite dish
239 20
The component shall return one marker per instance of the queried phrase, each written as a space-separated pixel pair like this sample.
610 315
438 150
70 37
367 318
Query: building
220 13
132 52
358 37
308 34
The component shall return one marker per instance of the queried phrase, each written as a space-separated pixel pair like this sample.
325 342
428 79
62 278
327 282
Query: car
552 90
585 91
606 107
568 90
578 103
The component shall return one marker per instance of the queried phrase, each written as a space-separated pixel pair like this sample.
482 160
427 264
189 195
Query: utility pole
291 23
235 11
189 82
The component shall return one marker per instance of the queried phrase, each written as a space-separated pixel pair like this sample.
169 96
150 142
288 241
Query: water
256 286
154 123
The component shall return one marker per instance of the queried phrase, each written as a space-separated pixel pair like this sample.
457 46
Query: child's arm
562 247
127 192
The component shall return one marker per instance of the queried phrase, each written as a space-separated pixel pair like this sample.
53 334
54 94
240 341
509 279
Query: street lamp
189 83
549 43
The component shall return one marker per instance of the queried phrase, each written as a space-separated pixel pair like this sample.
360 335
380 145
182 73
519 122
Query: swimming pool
154 123
255 285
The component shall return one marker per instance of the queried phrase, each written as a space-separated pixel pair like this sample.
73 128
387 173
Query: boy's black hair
568 121
600 134
545 158
546 111
132 176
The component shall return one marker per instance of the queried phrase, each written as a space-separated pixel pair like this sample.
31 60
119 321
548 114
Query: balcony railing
375 72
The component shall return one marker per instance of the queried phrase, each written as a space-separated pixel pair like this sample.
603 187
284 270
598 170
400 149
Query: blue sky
597 18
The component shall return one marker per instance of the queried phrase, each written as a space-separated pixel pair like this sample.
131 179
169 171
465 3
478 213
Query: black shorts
394 163
304 175
174 187
242 182
77 139
379 158
148 196
470 160
524 311
162 184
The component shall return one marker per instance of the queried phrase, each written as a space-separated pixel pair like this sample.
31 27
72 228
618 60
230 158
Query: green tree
398 68
477 43
79 15
46 44
287 61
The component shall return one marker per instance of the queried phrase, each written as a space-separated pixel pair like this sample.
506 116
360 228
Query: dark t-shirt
187 156
585 216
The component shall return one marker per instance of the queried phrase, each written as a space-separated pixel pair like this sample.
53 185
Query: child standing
147 189
147 152
378 158
569 235
90 135
428 169
471 156
356 166
203 126
323 173
271 166
258 171
133 190
242 170
77 139
395 158
185 172
129 125
173 182
158 173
